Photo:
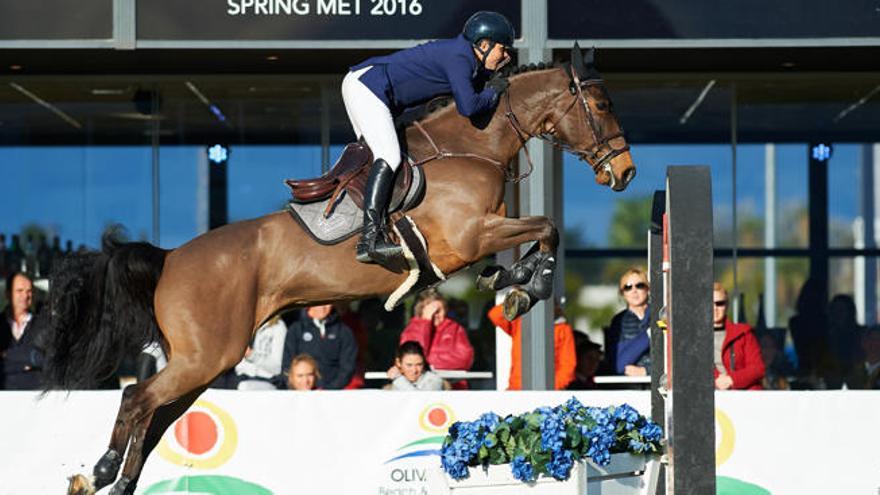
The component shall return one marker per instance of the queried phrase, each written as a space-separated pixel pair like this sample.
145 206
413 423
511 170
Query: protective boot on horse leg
540 287
374 246
496 277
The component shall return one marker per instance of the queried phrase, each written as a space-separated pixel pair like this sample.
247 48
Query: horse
205 299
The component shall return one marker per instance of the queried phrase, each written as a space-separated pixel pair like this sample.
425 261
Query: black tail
100 310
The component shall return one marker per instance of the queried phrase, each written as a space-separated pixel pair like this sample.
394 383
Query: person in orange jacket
564 348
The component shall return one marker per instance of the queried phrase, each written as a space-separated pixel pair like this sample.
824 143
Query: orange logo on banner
436 418
204 438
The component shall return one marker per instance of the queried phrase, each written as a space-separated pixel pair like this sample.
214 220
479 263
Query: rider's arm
469 102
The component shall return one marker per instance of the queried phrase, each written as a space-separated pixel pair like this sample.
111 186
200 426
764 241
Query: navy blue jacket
415 75
21 363
336 352
627 342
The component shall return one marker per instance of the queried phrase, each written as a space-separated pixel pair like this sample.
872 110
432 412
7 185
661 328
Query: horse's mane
435 106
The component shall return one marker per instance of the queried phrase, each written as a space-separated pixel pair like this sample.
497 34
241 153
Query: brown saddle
349 175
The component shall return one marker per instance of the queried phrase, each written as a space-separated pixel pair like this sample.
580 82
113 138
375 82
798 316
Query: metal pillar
537 338
770 234
866 291
818 201
690 402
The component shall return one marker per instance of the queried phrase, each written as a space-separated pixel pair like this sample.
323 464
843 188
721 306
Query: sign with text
56 19
280 20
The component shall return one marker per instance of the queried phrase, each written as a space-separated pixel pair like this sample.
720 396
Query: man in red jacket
738 362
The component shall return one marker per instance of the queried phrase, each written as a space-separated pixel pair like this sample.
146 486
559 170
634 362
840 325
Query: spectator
843 340
627 341
777 367
303 374
22 361
409 373
589 355
361 337
261 367
443 339
738 362
808 332
322 335
865 373
563 346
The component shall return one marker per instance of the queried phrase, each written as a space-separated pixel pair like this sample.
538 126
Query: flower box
624 475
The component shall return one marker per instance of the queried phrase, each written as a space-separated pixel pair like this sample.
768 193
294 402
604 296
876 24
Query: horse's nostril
629 175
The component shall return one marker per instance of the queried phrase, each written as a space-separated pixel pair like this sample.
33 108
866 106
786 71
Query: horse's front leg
536 268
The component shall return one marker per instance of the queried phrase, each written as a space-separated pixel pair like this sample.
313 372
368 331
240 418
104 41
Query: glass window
790 194
599 217
76 192
751 306
844 194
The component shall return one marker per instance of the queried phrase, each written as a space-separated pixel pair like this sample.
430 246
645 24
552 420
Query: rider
380 88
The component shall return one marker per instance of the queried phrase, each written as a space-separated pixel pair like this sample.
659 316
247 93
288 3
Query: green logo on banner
207 485
733 486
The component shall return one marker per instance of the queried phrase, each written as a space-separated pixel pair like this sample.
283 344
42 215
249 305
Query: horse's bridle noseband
594 156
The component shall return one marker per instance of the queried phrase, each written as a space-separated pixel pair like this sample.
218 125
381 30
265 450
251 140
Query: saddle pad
346 218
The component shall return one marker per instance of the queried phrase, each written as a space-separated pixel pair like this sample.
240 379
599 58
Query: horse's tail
100 310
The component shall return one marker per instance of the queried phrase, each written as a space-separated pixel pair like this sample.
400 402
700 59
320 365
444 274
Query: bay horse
205 299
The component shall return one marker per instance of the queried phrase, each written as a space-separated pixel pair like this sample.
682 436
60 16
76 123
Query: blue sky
75 191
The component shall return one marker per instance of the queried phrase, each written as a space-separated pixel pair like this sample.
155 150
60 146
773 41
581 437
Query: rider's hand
498 83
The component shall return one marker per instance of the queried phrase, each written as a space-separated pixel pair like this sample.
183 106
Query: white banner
386 443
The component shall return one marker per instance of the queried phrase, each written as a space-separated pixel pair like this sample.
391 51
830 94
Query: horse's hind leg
108 465
178 383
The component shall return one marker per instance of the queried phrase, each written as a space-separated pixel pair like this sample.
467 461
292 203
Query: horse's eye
602 105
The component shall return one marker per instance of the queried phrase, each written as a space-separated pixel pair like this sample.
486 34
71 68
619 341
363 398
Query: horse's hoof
487 279
107 468
80 485
122 487
516 304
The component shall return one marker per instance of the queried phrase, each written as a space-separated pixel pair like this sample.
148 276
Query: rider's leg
370 116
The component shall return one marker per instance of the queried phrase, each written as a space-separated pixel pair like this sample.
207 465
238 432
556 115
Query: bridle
599 156
599 160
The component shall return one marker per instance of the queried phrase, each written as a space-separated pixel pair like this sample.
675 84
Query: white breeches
370 118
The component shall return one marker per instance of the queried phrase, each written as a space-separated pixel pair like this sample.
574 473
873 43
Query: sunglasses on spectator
720 304
629 287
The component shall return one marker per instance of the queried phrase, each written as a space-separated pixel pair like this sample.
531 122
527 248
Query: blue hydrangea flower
560 465
651 431
552 432
627 414
522 470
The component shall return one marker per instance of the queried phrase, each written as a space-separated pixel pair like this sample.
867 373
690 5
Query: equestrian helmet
491 26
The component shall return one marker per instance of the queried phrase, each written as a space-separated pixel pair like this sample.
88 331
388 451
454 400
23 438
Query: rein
439 155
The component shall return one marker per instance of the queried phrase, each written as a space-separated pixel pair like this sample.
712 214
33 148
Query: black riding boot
374 246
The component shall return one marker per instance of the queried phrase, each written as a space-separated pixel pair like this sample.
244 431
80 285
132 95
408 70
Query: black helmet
491 26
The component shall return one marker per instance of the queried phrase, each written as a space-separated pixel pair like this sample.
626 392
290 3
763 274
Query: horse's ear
577 61
590 58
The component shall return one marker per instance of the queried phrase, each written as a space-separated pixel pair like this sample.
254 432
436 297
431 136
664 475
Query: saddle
349 175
